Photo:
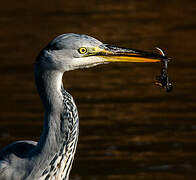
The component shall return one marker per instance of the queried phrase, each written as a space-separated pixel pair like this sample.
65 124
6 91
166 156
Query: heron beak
119 54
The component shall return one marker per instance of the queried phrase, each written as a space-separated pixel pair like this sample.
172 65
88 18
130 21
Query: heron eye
82 50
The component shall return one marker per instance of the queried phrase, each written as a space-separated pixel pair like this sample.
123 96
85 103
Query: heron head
73 51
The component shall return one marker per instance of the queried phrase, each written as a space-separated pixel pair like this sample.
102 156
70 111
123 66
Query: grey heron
52 156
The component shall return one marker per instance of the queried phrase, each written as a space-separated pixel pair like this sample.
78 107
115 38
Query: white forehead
73 41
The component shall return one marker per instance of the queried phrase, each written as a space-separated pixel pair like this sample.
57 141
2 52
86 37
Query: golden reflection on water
129 129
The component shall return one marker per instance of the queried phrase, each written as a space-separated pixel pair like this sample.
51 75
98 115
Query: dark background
129 128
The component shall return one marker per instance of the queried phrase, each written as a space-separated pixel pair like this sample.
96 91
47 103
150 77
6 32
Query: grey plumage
52 157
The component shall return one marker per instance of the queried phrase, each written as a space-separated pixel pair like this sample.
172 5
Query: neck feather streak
56 148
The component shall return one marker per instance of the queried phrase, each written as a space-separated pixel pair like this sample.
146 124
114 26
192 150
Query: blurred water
129 129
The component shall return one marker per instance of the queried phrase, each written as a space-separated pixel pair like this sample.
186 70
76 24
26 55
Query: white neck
54 152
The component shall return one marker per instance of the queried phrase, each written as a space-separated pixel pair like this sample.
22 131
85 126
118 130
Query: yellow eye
82 50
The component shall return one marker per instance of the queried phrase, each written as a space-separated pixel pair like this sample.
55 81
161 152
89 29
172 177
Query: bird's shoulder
12 159
18 148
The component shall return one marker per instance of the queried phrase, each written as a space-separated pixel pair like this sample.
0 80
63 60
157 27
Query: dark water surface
129 129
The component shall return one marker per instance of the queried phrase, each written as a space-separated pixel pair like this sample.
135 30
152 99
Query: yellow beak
119 54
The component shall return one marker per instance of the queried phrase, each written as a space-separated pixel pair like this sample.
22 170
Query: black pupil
83 50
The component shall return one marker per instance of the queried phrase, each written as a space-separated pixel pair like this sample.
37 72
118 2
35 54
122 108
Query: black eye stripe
54 46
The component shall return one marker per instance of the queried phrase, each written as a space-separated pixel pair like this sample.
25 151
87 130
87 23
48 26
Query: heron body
52 157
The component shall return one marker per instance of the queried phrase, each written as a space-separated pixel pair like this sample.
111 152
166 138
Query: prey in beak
118 54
